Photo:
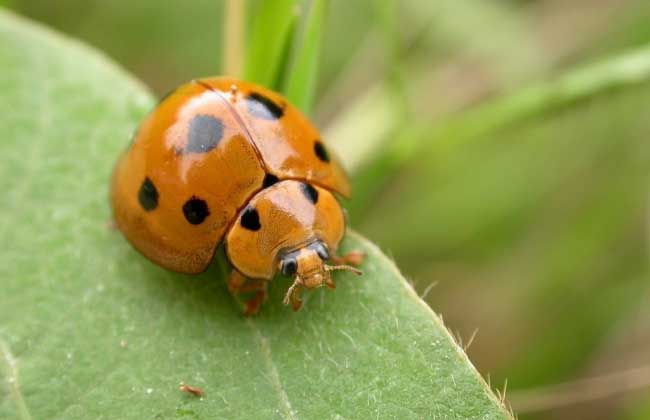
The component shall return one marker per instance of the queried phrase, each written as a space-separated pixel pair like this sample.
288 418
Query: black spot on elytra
262 107
205 132
250 219
310 192
269 180
321 151
195 210
148 195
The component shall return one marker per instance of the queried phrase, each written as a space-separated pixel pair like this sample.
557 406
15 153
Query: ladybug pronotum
225 160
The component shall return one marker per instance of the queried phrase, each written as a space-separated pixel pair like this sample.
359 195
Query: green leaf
269 41
301 84
91 329
176 43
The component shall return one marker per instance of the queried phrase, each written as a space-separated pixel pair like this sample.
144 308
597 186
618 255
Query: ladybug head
307 266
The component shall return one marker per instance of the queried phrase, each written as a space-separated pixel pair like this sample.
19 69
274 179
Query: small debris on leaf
197 392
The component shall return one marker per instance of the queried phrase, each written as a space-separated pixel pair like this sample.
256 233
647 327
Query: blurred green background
500 154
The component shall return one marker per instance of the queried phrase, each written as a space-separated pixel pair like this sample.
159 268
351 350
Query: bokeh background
510 190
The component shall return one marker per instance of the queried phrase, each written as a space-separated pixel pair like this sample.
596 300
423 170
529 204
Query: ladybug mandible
221 159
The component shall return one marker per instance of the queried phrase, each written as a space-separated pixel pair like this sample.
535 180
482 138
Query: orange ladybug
223 159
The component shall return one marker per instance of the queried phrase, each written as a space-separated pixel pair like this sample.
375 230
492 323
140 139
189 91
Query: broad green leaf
90 329
166 41
301 79
269 41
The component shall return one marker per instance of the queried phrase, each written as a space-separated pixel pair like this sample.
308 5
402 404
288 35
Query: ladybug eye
322 251
289 267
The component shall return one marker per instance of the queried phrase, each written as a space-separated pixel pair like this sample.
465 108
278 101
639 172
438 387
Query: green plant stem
233 59
300 85
269 38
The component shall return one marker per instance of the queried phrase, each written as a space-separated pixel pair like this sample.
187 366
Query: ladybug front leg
237 284
354 258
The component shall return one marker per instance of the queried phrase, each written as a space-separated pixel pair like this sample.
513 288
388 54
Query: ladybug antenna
343 268
293 294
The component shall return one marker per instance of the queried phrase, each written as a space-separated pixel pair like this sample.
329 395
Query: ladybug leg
237 284
254 304
353 258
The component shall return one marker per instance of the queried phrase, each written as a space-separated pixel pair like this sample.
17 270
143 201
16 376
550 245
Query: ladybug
221 159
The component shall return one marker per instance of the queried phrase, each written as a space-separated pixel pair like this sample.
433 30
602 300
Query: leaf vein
273 371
